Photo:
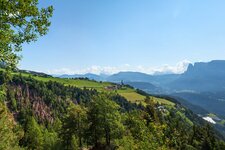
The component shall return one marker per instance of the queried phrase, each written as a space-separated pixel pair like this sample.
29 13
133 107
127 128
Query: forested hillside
38 114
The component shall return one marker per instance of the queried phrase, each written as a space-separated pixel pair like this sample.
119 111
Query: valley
48 105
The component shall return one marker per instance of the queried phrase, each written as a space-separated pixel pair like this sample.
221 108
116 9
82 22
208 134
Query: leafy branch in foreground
21 21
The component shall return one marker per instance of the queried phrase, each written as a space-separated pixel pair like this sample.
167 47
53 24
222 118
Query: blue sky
137 35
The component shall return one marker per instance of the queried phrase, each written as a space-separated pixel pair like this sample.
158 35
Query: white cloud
60 71
180 67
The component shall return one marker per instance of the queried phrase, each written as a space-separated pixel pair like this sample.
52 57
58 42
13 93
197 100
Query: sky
108 36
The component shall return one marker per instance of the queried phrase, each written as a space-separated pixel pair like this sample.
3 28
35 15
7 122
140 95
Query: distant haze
180 67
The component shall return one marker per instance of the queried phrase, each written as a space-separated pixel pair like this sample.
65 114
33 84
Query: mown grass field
133 96
163 101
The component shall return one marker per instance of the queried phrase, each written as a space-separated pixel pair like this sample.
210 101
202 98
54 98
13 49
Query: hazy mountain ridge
202 77
101 77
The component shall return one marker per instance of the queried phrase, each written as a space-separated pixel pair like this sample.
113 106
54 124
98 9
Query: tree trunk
107 136
79 132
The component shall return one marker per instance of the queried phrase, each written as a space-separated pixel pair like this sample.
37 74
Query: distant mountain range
199 77
202 84
202 77
101 77
211 75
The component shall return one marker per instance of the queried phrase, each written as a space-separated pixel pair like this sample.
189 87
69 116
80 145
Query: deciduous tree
21 21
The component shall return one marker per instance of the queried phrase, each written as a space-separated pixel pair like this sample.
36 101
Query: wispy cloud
180 67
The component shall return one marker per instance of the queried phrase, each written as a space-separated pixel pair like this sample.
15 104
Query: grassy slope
128 93
163 101
72 82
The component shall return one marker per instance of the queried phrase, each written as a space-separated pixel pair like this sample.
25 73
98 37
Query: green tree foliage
105 120
33 138
20 21
203 138
51 140
151 110
144 135
74 126
10 133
